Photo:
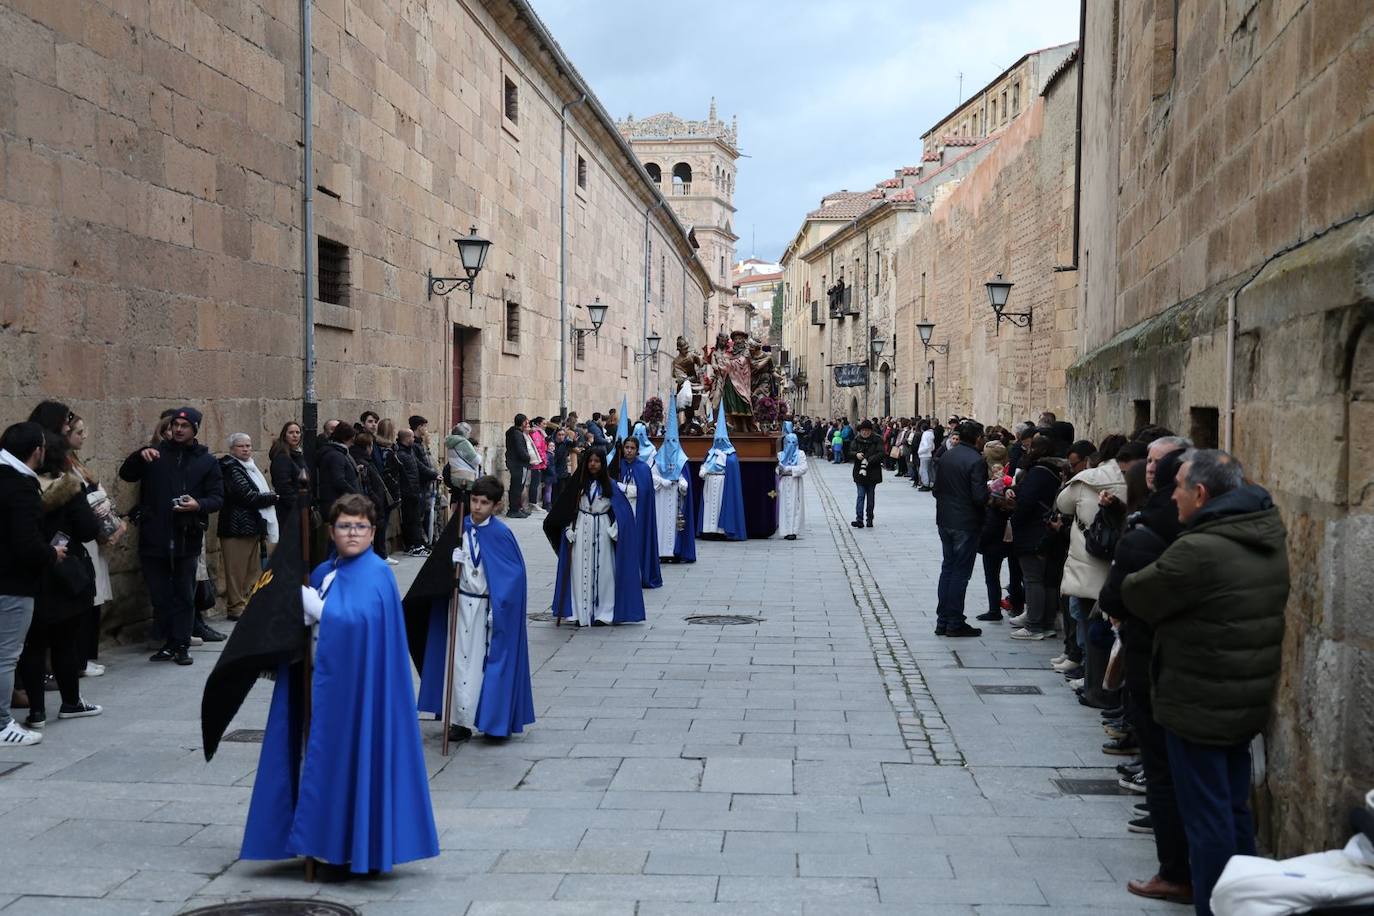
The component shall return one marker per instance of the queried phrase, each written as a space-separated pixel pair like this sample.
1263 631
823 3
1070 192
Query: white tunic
712 494
592 564
668 495
792 496
473 633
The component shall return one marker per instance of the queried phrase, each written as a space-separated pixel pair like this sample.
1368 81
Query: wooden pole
449 653
307 664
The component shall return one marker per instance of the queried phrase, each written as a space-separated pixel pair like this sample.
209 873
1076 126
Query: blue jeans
837 453
866 494
1079 614
1212 785
15 614
960 553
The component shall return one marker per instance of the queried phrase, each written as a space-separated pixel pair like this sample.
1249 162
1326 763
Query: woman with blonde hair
112 528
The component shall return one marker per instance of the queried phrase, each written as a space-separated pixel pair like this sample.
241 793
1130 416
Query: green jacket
1215 599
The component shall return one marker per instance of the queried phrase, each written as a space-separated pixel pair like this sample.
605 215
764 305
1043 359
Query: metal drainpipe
868 329
648 267
563 254
310 408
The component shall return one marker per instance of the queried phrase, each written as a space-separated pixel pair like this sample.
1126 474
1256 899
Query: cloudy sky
830 93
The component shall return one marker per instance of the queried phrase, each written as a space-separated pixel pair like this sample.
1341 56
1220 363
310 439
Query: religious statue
734 381
763 373
687 383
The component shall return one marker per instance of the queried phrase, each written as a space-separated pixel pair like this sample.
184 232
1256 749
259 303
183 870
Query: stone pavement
829 756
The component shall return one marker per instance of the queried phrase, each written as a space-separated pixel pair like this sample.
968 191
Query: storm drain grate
1007 689
9 766
245 735
724 620
1089 787
276 906
545 617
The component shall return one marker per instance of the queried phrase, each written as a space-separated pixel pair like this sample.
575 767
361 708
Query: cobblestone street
833 756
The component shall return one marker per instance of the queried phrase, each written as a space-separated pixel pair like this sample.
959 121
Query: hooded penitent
788 458
637 473
721 446
722 460
675 509
647 452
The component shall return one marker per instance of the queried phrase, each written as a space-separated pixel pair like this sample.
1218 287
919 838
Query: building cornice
853 226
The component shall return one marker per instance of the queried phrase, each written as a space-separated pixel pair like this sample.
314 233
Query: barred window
332 272
513 322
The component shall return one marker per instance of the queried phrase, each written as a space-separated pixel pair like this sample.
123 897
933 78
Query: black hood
1244 500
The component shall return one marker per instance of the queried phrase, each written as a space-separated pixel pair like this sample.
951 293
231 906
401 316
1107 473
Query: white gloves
312 604
681 485
613 532
570 534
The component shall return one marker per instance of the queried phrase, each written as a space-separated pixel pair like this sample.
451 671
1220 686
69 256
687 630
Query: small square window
624 361
332 273
512 322
1204 425
582 173
512 101
1142 414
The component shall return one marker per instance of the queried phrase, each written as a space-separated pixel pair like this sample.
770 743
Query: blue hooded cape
646 519
629 597
506 705
647 452
732 500
788 457
360 795
671 462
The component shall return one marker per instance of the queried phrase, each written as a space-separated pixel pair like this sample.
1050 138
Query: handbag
74 576
1114 676
1101 537
205 595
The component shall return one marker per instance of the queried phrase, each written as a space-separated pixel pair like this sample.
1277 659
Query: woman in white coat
791 485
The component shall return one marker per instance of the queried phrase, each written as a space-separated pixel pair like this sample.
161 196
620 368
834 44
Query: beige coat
1084 574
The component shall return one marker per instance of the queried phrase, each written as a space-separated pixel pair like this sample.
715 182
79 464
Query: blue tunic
731 503
646 521
685 544
629 597
360 796
506 705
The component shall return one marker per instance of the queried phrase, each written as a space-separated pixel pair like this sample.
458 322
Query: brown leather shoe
1159 889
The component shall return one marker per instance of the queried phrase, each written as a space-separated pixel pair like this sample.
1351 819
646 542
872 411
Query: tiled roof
845 208
931 156
911 170
952 140
905 195
890 183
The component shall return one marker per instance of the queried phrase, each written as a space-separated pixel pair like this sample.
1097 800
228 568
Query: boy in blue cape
491 670
632 475
592 528
722 494
357 794
673 509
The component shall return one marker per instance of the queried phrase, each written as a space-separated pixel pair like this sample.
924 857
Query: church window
654 172
682 178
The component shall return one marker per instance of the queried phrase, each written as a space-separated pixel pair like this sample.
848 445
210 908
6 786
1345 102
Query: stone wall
1244 157
1012 214
151 219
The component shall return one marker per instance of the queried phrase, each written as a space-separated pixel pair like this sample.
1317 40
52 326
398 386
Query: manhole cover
1089 787
278 906
724 620
245 736
1007 689
9 766
546 617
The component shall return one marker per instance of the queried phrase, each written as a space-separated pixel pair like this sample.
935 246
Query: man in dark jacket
961 497
1148 533
1216 600
518 462
180 486
866 451
338 474
24 555
416 478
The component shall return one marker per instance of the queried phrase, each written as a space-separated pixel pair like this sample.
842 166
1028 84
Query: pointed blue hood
789 445
671 458
622 429
721 447
646 448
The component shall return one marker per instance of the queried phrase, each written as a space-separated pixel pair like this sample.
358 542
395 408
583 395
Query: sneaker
16 735
1028 633
165 654
197 640
36 720
1020 620
1141 807
1076 673
1066 664
182 657
1130 767
1114 731
1141 825
1076 683
990 617
963 630
856 524
1134 783
1057 659
392 561
1116 712
208 633
93 670
1121 747
459 733
81 710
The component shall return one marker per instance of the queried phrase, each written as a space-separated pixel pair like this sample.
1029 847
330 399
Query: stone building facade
1226 262
997 105
693 164
152 232
1010 214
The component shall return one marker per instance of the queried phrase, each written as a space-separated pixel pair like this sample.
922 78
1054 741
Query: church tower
694 165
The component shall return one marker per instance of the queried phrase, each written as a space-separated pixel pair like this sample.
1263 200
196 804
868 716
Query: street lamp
998 291
597 313
472 251
653 340
925 329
